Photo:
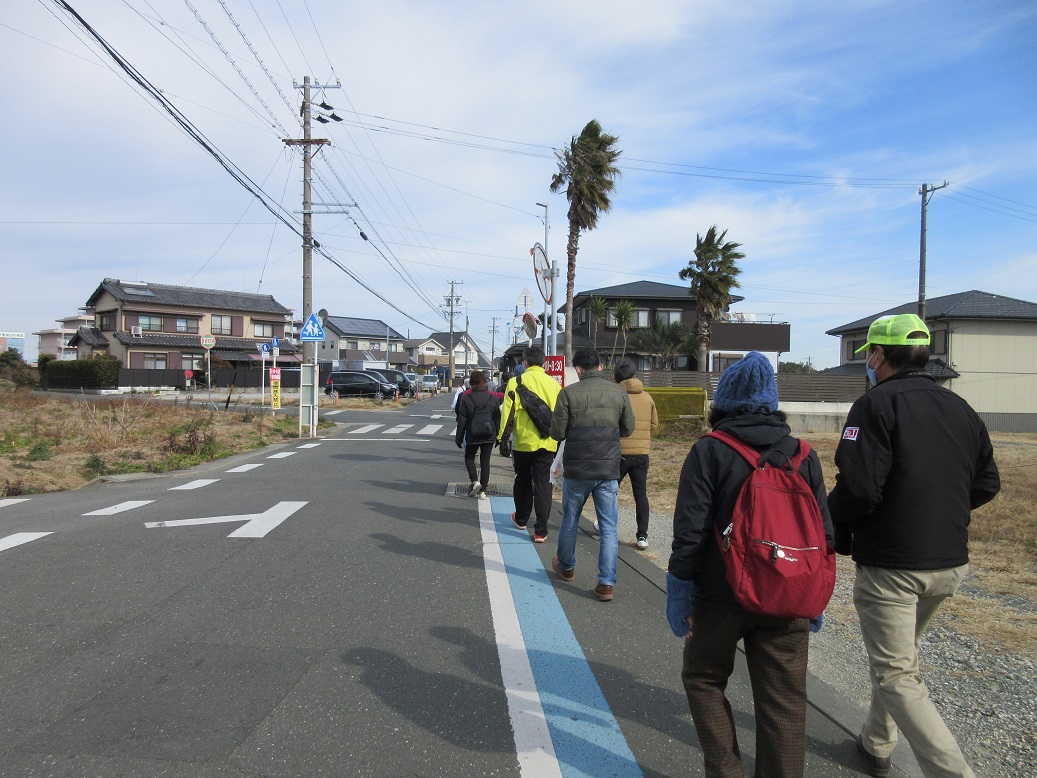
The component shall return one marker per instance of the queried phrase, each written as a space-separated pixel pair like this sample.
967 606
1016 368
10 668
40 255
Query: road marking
256 525
381 440
559 686
123 506
431 429
194 484
308 445
397 429
283 455
12 500
365 428
21 537
244 468
332 413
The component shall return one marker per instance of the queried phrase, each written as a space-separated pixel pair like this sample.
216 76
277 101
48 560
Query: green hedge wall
673 402
97 373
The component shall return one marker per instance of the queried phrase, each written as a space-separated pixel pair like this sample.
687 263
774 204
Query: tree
598 308
713 273
665 342
11 358
623 312
587 172
798 368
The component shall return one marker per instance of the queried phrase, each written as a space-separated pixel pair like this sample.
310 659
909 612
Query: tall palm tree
587 172
598 308
713 273
623 312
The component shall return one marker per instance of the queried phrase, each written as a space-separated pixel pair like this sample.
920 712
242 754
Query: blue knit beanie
748 383
520 369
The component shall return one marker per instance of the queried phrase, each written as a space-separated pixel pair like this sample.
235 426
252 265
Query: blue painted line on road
586 736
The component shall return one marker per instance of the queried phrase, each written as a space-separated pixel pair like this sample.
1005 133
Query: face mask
870 370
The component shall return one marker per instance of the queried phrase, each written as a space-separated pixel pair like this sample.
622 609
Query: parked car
354 383
430 383
398 377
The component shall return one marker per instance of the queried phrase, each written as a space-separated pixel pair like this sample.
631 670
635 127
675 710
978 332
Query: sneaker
595 525
483 496
515 522
539 538
565 575
879 766
604 592
474 490
642 543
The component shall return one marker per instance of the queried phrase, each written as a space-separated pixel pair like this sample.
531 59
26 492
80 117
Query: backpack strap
757 459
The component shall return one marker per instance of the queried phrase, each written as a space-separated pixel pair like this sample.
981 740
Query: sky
804 129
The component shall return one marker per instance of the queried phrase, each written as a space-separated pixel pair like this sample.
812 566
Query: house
157 326
361 340
983 347
427 352
56 340
732 336
435 349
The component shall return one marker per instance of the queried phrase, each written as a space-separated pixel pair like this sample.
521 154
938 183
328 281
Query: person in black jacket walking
914 460
700 605
478 417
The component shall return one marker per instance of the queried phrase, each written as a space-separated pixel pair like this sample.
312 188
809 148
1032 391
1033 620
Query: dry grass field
1001 605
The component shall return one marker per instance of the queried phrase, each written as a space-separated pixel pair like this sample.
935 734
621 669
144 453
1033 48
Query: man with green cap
914 460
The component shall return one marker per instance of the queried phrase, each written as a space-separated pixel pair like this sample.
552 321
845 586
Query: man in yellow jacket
636 448
532 455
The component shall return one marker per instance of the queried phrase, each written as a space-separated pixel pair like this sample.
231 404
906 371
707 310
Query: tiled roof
963 305
163 340
187 297
89 336
367 328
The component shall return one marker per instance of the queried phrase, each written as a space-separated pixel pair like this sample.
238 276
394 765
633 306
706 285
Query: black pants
532 491
484 450
636 466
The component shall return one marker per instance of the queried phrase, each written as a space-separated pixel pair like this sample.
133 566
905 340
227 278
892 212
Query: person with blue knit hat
702 609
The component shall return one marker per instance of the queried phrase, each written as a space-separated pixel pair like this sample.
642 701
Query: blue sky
805 129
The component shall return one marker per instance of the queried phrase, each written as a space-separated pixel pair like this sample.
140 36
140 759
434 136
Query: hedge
97 373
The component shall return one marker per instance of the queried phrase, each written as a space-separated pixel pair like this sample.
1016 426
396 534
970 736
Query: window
192 361
852 346
640 319
430 349
154 361
107 322
938 343
264 330
668 317
581 316
610 319
150 323
187 325
221 325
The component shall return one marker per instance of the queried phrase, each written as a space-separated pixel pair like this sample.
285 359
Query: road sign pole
208 373
262 379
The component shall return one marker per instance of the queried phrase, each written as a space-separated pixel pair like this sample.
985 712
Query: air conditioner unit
136 331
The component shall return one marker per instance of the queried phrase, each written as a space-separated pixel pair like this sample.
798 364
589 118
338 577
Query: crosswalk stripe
244 468
430 429
283 455
308 445
194 484
332 413
21 537
365 428
123 506
12 500
397 429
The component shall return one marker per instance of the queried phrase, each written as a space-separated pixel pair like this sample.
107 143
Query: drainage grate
461 489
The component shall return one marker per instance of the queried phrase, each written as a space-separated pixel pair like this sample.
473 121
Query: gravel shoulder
985 694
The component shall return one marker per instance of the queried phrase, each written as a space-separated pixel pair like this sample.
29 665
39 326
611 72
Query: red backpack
776 558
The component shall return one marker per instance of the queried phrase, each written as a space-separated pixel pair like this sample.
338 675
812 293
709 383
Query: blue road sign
311 330
264 347
275 342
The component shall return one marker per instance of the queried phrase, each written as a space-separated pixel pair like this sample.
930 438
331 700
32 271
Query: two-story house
55 341
361 340
158 326
424 353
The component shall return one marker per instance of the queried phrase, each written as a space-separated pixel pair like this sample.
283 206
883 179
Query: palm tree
623 313
713 275
587 172
598 308
665 342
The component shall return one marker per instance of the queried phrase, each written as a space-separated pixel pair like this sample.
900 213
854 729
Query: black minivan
407 387
355 383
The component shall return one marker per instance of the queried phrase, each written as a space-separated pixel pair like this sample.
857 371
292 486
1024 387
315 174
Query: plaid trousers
776 653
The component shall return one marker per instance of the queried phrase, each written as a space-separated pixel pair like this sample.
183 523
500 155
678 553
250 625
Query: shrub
101 372
39 452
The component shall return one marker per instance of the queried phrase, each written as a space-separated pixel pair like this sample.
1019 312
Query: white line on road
256 525
308 445
332 413
194 484
283 455
244 468
397 429
123 506
365 428
12 500
431 429
21 537
380 440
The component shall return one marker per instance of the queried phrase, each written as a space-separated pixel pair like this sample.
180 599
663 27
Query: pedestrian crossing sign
311 330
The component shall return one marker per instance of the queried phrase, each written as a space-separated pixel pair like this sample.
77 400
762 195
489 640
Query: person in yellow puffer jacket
636 448
532 455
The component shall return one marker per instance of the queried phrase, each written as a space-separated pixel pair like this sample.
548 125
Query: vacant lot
1003 550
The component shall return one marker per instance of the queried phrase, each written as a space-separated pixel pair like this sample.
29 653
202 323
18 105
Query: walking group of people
913 461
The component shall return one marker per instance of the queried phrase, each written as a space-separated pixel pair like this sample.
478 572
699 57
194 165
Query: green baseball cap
894 331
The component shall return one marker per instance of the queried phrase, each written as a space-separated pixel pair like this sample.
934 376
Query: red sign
555 367
189 374
275 374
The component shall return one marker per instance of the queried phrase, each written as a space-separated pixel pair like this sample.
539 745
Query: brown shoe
604 592
565 575
878 766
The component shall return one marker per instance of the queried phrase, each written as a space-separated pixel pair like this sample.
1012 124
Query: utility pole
452 300
493 342
927 193
308 394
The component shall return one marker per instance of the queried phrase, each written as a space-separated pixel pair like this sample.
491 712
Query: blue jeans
574 497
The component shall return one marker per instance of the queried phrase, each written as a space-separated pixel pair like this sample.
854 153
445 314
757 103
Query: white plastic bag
556 467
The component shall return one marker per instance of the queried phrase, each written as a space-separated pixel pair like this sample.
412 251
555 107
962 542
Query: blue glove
678 603
817 622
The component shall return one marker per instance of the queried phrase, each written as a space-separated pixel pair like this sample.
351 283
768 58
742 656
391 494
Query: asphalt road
326 607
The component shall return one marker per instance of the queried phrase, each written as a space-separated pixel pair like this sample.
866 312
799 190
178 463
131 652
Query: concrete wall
815 417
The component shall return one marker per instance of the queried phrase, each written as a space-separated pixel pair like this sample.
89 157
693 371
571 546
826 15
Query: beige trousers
895 607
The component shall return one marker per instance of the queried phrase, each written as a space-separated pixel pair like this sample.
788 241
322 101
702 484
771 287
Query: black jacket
913 461
711 480
467 406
